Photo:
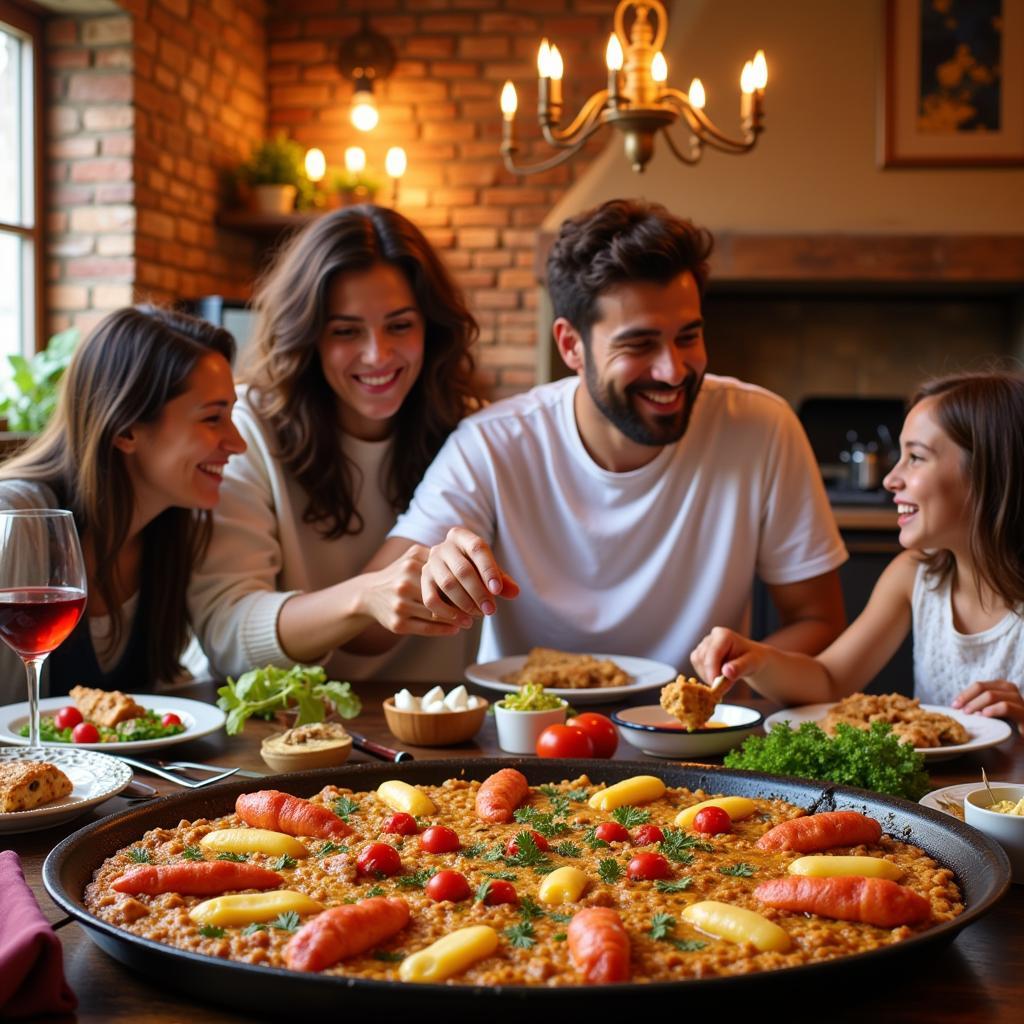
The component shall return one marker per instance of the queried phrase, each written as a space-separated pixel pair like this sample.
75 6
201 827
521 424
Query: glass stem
33 666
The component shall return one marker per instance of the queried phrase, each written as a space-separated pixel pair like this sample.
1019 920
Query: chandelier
638 101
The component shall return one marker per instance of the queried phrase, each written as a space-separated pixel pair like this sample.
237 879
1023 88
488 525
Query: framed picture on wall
953 85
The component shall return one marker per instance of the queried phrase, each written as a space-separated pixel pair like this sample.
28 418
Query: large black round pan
981 868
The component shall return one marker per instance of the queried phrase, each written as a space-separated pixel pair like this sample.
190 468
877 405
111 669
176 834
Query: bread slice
105 707
28 784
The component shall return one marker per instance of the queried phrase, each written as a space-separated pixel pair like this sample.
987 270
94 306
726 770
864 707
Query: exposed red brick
95 88
106 31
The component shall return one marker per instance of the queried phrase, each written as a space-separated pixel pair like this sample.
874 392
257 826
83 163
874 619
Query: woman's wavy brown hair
131 365
983 413
287 384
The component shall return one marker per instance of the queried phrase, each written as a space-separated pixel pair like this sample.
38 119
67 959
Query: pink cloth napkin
31 958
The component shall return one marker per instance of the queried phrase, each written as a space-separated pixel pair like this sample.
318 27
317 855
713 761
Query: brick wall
441 105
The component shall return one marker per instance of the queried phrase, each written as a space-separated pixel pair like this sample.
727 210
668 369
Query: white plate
984 732
647 675
94 778
198 718
954 794
654 731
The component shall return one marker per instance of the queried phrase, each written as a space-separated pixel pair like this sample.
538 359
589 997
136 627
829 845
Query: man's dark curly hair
621 240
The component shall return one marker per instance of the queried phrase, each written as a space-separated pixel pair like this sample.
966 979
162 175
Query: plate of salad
167 720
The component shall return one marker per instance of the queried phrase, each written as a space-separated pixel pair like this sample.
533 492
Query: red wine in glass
37 620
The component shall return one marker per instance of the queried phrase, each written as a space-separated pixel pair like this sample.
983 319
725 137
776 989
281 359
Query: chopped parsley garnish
237 858
283 862
505 876
628 817
662 926
192 853
328 848
590 838
527 854
676 885
139 855
520 935
740 870
375 890
286 922
559 937
211 931
561 918
677 846
481 891
251 929
344 806
388 956
528 907
610 870
496 852
545 824
417 880
475 850
688 945
566 848
578 795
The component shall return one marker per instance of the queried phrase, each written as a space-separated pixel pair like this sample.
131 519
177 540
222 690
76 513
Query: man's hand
461 574
997 698
724 652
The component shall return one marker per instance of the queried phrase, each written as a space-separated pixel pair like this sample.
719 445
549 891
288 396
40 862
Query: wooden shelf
263 224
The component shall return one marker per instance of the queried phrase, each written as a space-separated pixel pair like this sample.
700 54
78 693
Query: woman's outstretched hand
996 698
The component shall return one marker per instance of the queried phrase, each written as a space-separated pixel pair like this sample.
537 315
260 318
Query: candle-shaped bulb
355 159
556 65
747 78
760 66
509 101
395 162
696 95
659 67
316 164
364 111
613 53
544 60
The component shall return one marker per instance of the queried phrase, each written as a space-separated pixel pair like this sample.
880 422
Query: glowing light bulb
697 96
613 53
364 111
544 60
556 65
355 159
659 67
747 78
395 162
760 70
316 164
509 101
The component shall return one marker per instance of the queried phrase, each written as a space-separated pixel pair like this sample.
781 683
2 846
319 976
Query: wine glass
42 590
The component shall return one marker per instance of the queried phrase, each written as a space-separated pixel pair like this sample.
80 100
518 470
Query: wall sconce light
355 159
316 165
395 164
366 57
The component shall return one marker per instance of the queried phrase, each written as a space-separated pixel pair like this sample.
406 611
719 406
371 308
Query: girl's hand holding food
724 652
997 698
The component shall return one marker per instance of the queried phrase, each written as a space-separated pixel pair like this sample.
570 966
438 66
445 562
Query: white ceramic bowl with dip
653 730
518 730
1005 829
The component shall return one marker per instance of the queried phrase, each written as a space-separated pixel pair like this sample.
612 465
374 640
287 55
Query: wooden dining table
978 977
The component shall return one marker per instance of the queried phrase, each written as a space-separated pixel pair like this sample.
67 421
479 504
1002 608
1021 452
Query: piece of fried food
567 671
912 723
28 784
105 707
689 700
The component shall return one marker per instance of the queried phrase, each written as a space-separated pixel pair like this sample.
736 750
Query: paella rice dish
503 883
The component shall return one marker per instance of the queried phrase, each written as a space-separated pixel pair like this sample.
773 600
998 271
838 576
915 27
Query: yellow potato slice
400 796
736 924
737 807
450 955
246 908
252 840
831 867
563 885
640 789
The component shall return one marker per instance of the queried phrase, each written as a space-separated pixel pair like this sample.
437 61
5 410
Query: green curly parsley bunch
867 758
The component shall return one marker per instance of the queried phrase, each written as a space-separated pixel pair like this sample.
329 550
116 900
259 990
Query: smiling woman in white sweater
360 370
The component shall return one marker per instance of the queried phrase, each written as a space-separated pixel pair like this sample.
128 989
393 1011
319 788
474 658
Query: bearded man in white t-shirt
626 509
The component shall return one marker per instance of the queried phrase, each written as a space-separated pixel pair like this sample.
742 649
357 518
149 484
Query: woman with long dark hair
138 444
360 369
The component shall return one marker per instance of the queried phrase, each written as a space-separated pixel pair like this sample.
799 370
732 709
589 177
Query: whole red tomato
448 885
600 729
379 860
512 846
611 832
440 839
646 866
85 732
647 835
499 892
712 821
67 718
564 741
401 824
170 719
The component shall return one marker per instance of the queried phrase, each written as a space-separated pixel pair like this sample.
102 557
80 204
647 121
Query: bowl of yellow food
315 745
998 811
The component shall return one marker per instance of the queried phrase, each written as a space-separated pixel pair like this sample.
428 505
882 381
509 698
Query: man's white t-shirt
643 562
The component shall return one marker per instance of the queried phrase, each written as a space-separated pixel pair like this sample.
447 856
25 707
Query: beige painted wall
815 169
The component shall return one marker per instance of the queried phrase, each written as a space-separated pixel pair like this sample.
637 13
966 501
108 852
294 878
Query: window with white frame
20 234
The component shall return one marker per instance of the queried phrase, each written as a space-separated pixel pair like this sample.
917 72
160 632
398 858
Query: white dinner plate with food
984 732
198 718
644 673
94 778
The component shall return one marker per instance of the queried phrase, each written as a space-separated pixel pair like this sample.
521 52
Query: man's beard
621 409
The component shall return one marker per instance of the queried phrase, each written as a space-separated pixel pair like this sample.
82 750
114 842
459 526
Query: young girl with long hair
959 490
360 369
136 450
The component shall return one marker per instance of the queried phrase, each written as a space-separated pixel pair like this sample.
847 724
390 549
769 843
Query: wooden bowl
434 729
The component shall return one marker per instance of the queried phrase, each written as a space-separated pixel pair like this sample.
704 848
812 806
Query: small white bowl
518 730
654 731
1005 829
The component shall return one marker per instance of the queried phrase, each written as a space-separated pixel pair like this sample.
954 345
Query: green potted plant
274 175
28 395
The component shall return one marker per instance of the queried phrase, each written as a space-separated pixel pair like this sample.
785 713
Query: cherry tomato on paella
712 821
379 860
646 866
448 885
440 839
401 824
